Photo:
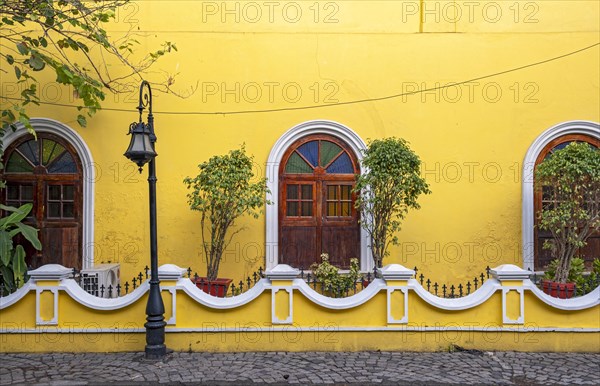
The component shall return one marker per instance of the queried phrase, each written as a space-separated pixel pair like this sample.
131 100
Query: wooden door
316 210
543 257
47 172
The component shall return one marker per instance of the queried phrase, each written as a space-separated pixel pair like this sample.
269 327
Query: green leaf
17 72
22 48
81 120
36 63
6 247
30 234
10 59
19 266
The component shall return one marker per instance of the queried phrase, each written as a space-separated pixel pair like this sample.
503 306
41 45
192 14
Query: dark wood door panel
61 246
341 243
298 246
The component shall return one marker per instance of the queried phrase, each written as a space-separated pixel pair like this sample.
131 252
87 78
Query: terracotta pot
558 290
218 287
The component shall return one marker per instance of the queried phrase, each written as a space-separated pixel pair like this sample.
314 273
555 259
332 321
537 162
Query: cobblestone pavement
282 368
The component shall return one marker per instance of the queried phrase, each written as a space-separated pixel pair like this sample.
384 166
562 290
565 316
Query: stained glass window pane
63 164
342 165
292 208
50 151
307 192
292 191
18 164
31 151
329 151
310 151
297 165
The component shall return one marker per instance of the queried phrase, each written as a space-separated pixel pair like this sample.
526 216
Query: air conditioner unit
102 280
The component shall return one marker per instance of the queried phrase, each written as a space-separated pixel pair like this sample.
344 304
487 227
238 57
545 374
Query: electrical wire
357 101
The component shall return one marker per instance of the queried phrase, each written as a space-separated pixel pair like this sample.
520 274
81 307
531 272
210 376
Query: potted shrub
333 283
222 192
570 183
389 186
12 258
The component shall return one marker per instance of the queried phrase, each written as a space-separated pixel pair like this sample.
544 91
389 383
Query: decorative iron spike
482 276
476 282
102 291
302 272
260 271
368 277
17 281
416 269
110 291
141 277
195 276
374 273
134 281
468 287
146 269
435 287
249 282
460 290
189 272
118 290
487 271
452 291
444 290
232 289
126 287
421 278
241 286
255 277
428 282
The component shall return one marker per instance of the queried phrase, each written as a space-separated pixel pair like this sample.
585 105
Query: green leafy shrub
223 191
333 283
12 258
389 186
570 180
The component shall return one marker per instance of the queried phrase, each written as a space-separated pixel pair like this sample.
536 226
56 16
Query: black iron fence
451 291
583 285
340 289
229 289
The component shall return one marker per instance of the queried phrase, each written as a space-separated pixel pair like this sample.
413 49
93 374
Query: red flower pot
217 287
558 290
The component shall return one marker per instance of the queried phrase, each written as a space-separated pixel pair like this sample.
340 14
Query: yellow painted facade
470 85
249 56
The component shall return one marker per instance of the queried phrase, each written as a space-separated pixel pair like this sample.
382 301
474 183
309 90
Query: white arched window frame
272 173
45 125
589 128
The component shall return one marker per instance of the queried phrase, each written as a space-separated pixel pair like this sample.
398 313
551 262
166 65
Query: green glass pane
18 164
31 151
50 150
329 151
62 164
345 192
297 165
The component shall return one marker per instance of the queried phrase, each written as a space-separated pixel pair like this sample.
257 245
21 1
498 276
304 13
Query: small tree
570 180
223 192
387 189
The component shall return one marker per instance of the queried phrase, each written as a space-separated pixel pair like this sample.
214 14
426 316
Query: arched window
316 203
48 173
542 257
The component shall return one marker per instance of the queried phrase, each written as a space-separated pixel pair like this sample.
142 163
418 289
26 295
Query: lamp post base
156 351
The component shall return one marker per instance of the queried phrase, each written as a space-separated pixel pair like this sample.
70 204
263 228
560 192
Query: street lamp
141 151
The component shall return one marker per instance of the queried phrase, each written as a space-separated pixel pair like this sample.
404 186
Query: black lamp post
141 151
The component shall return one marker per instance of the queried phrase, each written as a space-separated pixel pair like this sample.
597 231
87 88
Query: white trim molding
45 125
272 172
571 127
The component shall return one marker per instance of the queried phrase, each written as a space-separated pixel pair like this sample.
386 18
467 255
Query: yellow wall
347 51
